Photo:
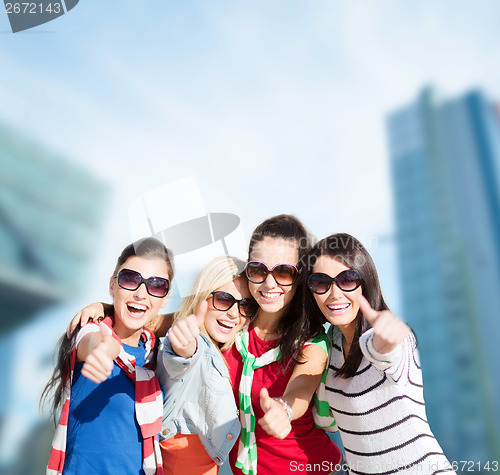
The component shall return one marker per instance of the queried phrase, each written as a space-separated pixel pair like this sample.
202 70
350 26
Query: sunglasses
223 301
346 281
132 280
284 274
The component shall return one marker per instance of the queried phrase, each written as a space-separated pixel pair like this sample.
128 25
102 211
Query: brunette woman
278 360
374 381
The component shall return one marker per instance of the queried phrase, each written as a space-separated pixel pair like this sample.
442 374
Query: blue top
103 434
198 398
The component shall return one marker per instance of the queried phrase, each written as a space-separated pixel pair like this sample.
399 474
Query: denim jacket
198 398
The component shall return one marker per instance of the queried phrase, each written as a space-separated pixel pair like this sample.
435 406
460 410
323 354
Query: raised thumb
265 400
200 313
104 331
368 312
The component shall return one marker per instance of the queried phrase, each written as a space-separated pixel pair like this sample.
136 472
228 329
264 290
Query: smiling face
222 326
135 308
340 308
272 297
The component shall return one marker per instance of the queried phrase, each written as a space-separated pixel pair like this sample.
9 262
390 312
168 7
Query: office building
445 163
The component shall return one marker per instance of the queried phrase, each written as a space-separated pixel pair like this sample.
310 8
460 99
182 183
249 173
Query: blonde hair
218 272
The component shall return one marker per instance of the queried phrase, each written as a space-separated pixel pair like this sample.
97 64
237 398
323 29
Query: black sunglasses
284 274
347 281
132 280
223 301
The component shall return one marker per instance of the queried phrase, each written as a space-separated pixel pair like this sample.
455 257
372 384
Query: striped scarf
247 449
148 403
322 413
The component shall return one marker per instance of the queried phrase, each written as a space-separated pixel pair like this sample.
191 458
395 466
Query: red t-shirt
306 449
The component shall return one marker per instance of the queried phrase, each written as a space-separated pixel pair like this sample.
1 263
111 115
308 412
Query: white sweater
380 411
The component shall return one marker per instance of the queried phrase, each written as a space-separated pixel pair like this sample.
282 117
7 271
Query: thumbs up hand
103 350
275 421
184 332
388 330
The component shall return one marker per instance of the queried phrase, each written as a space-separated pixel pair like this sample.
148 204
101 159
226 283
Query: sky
274 107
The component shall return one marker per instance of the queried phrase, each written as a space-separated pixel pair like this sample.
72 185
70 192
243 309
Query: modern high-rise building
445 162
50 213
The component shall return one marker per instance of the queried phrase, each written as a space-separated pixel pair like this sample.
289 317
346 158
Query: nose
270 281
335 292
233 311
141 292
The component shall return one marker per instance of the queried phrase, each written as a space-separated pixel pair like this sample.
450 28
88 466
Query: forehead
238 288
329 265
147 267
274 251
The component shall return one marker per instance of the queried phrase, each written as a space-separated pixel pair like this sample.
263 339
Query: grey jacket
198 398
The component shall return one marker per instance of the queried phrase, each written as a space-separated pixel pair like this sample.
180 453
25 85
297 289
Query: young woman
374 382
200 418
200 422
277 362
105 372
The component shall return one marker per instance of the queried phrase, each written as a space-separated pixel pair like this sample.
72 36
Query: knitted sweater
380 411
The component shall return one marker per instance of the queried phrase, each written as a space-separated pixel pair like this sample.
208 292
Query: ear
112 286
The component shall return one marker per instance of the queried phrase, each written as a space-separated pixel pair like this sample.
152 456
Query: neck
266 325
128 337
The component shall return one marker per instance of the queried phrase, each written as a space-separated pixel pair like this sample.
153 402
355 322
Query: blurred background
376 118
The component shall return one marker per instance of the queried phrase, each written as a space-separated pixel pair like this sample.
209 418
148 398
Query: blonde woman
200 418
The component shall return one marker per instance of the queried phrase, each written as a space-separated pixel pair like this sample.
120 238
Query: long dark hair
148 248
350 252
294 327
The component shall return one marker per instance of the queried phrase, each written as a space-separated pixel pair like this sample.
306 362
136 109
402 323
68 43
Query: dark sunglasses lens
223 301
158 286
319 283
248 307
285 274
129 279
348 280
256 272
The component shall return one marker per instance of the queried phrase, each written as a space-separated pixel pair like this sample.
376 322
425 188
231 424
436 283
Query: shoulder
205 344
321 341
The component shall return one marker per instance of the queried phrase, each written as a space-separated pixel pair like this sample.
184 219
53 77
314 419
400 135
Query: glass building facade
50 214
445 163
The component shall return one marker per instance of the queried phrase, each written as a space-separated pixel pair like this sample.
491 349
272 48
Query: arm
388 330
298 394
184 332
389 345
172 365
398 364
91 313
97 349
179 349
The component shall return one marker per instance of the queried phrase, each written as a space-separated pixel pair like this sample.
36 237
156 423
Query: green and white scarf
247 450
322 413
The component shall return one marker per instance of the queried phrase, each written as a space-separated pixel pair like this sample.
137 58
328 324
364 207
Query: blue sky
273 107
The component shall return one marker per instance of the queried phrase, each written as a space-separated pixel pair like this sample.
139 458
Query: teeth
226 324
270 295
137 306
338 306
